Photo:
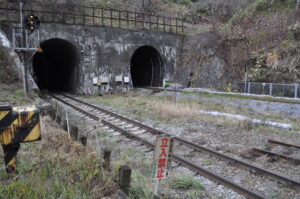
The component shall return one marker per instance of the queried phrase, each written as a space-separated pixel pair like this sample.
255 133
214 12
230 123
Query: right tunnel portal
146 67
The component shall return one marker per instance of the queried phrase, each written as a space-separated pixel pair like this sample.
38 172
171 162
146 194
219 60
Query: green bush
261 5
183 1
264 6
140 187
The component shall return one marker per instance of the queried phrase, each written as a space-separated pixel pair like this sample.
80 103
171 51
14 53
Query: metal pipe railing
271 89
87 15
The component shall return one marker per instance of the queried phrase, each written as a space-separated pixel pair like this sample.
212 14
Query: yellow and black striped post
17 125
10 153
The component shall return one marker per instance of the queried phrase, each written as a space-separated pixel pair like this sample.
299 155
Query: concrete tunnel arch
56 68
146 67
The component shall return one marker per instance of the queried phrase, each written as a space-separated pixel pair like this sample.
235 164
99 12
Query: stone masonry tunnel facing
56 68
146 67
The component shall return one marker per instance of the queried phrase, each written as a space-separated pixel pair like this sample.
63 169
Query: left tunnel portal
56 68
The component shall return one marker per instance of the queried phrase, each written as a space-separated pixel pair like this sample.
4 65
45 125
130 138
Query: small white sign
95 80
103 80
126 79
119 78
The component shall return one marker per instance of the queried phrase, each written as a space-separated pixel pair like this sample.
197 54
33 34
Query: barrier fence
271 89
85 15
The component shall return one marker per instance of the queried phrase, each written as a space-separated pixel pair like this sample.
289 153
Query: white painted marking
139 132
256 121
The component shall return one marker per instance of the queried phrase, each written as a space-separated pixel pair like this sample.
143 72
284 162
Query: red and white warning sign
162 157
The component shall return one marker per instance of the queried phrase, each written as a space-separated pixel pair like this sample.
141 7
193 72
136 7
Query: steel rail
76 108
283 143
234 161
269 153
199 170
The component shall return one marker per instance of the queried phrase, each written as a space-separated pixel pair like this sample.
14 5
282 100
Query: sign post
166 84
245 80
161 160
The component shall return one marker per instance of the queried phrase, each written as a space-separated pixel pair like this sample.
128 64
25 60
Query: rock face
201 63
11 69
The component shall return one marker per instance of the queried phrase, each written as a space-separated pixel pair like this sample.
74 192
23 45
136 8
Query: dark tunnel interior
146 67
56 68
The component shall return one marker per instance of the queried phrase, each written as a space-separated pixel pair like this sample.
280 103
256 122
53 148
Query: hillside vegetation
56 167
265 37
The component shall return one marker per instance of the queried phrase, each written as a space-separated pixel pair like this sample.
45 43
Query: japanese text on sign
161 162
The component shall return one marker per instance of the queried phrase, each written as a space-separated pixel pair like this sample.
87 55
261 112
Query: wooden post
58 119
157 189
74 132
68 125
124 178
83 140
51 113
107 158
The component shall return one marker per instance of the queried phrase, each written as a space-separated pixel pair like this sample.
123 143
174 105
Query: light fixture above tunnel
56 68
146 67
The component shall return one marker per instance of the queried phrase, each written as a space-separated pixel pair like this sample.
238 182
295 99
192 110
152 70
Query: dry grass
56 168
187 110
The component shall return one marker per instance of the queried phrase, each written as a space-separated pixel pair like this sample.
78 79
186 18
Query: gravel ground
235 143
120 144
256 105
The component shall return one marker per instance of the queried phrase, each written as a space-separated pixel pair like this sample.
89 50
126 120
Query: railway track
283 144
135 130
279 150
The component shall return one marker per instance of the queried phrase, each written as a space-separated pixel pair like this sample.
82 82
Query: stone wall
108 51
105 51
